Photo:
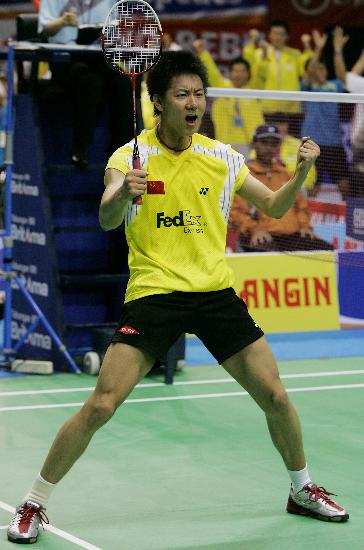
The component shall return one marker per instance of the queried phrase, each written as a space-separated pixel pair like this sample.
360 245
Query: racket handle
136 164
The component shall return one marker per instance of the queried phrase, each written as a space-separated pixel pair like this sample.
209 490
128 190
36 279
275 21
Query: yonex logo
203 190
128 330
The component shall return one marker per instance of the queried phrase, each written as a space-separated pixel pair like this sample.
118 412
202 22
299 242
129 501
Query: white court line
185 383
182 397
55 531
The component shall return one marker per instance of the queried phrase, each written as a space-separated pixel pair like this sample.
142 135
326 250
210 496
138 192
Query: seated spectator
276 66
234 119
354 82
291 232
89 82
322 121
288 149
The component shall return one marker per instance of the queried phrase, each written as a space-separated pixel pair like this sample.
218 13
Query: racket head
132 37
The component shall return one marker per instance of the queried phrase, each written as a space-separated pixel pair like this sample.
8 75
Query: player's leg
122 368
255 369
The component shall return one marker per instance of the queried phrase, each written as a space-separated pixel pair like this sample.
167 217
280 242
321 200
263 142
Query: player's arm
120 189
276 203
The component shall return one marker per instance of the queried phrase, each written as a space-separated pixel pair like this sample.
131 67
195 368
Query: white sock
40 491
299 478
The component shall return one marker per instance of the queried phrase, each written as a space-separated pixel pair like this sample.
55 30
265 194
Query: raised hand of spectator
254 37
306 41
319 39
199 45
339 39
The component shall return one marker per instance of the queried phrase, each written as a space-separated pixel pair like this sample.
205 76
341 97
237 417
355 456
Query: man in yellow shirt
234 119
180 281
276 66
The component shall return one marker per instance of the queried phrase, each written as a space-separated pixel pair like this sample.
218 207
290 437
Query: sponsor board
288 292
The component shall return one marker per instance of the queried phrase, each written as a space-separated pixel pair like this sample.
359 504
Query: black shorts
220 319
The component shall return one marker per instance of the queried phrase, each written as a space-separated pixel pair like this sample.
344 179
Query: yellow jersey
234 119
279 70
177 239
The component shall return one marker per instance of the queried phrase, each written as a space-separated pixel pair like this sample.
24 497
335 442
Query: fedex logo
183 218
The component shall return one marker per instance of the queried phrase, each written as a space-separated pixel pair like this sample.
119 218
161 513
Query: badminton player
180 282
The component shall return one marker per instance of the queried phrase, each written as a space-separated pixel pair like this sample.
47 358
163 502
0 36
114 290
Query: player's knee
100 409
278 402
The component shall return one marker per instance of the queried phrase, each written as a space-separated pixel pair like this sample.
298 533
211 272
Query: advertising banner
351 288
182 9
355 218
33 252
288 292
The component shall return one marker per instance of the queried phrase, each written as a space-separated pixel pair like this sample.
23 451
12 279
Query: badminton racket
132 44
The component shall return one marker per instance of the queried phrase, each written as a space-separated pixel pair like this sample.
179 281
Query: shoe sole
31 540
294 508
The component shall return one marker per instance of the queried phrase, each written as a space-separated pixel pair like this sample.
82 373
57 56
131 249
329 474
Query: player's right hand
135 184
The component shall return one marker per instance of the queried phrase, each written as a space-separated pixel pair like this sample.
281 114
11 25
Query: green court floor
188 466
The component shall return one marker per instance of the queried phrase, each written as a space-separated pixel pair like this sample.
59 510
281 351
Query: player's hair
171 64
279 23
240 60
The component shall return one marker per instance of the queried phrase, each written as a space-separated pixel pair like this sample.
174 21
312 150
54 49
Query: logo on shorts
128 330
203 190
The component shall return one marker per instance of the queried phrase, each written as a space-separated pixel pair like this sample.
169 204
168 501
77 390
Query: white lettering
25 235
35 339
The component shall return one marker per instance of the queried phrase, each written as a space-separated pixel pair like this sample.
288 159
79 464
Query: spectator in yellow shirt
234 119
275 66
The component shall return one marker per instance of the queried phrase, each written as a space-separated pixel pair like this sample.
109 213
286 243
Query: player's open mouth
191 119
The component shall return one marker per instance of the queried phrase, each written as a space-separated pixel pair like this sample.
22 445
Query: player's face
278 37
183 105
239 75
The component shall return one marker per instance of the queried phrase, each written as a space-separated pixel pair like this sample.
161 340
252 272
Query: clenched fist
308 152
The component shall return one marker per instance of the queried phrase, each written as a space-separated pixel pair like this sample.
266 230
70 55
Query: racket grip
136 164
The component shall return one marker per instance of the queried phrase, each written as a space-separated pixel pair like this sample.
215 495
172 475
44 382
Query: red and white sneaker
314 501
24 526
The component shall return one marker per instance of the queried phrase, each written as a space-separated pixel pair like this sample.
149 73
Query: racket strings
132 37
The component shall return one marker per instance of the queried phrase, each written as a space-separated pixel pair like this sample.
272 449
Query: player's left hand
308 152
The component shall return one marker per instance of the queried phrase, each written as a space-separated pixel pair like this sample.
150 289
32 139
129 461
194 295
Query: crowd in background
266 63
